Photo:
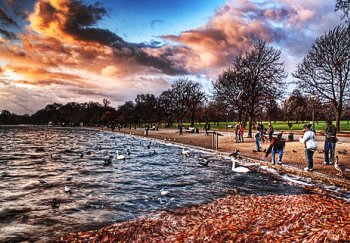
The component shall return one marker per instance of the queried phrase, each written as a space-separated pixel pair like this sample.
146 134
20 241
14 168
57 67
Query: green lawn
278 125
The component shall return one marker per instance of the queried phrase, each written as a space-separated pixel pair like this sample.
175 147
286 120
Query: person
257 140
329 143
270 132
240 133
206 128
277 145
180 128
146 130
237 131
310 143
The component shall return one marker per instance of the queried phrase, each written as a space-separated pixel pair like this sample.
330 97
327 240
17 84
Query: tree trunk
251 122
337 118
193 116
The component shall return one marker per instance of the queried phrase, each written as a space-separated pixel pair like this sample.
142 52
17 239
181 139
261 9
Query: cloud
61 52
290 26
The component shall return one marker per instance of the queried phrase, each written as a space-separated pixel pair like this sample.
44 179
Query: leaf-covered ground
237 218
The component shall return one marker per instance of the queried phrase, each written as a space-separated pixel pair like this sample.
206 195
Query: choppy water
153 177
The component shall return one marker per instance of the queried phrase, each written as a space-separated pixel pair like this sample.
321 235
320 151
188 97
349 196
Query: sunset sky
65 50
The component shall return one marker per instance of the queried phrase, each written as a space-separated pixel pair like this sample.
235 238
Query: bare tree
258 72
228 90
187 96
344 6
325 70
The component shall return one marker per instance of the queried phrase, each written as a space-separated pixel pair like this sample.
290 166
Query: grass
278 125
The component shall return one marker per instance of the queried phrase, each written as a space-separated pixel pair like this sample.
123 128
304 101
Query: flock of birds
202 160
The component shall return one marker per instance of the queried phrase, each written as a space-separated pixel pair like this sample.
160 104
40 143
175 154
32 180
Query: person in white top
310 143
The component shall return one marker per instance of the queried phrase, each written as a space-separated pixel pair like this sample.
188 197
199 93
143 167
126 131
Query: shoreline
293 157
232 217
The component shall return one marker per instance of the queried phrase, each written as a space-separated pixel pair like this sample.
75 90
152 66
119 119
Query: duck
344 151
238 169
203 161
120 156
339 167
55 203
108 160
81 155
234 154
43 181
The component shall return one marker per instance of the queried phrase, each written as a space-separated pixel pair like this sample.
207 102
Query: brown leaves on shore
237 218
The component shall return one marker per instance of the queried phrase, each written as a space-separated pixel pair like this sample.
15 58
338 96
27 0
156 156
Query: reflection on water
54 181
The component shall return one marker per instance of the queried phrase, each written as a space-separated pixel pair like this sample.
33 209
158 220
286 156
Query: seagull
164 192
238 169
185 152
67 189
120 157
340 167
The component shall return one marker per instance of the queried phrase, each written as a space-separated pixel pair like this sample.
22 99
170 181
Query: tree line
250 89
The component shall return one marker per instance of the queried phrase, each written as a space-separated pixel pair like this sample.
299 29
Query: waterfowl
164 192
238 169
203 161
55 203
234 153
340 167
128 152
67 189
120 157
185 152
43 181
81 155
344 151
108 160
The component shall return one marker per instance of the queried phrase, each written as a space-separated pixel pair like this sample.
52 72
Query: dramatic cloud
61 55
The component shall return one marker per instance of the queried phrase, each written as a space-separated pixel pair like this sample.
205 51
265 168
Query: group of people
239 131
310 145
310 142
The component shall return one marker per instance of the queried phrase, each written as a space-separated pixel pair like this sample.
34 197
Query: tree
228 90
186 96
258 72
344 6
146 107
325 70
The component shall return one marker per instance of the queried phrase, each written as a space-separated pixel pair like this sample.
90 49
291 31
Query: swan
120 157
238 169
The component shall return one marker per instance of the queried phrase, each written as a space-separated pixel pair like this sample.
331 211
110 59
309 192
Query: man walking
329 143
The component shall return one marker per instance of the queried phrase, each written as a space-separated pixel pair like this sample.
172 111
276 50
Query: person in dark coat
277 145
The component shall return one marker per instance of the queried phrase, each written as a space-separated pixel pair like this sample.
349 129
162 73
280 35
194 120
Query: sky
78 51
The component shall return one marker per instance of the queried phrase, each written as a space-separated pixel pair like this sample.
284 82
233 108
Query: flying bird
340 167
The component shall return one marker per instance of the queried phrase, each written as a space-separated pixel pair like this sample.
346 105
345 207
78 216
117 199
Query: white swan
238 169
120 157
